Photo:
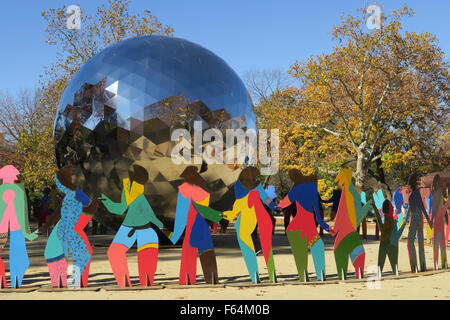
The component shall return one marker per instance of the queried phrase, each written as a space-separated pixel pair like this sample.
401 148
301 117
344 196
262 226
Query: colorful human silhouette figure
439 210
250 212
348 217
137 226
191 214
302 231
390 235
14 219
416 225
68 236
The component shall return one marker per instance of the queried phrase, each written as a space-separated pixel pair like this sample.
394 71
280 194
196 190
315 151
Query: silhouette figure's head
344 177
191 176
436 194
9 174
249 177
138 174
436 186
65 177
388 209
298 178
412 181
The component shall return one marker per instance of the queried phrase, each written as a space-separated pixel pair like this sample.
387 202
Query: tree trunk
360 177
361 171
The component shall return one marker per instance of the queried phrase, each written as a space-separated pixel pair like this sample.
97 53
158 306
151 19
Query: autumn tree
380 97
262 83
24 138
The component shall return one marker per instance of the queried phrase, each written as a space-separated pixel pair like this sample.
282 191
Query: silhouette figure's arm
319 219
231 214
181 217
286 202
378 216
265 198
115 208
92 207
424 212
402 227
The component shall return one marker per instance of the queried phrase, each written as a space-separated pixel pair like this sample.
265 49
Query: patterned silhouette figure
250 213
191 214
439 210
14 218
416 225
390 235
302 231
348 217
68 235
137 226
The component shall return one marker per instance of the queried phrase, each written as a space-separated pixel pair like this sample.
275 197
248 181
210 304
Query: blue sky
248 34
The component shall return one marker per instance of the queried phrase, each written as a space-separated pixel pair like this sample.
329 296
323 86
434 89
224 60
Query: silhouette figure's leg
341 258
443 246
147 263
393 257
148 244
351 246
82 222
58 272
423 265
85 276
447 229
318 254
300 251
271 267
201 239
119 265
18 258
382 253
436 245
117 255
249 255
412 249
188 266
358 257
209 266
56 260
3 240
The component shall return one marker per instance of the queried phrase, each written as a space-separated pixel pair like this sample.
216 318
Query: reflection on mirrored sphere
122 105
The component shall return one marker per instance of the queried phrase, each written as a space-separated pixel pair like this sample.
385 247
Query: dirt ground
235 282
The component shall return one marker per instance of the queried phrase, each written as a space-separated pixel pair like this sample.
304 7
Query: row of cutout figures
251 212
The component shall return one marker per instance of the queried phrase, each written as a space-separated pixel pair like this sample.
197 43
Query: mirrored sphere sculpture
121 107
